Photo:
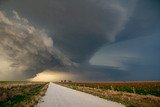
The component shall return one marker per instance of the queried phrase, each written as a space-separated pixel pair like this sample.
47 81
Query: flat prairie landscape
129 94
79 53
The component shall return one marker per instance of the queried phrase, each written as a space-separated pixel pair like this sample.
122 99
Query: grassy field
132 94
21 94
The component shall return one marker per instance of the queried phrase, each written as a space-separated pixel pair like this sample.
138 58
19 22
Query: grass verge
21 94
128 99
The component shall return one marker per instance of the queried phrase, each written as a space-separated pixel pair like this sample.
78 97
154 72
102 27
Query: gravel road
59 96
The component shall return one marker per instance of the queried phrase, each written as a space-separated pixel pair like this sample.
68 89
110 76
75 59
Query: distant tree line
66 80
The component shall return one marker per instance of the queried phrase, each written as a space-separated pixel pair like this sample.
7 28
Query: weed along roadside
21 94
131 94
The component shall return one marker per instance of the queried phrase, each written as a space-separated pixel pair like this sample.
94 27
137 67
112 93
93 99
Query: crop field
20 94
132 94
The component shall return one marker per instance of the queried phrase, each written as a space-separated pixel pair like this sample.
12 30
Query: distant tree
69 81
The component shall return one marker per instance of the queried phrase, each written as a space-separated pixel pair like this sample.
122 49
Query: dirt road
59 96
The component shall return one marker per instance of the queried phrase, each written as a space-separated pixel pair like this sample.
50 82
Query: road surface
59 96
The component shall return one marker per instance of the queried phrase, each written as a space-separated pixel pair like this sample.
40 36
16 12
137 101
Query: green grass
12 96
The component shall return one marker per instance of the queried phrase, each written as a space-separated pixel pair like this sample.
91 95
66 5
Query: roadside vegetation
131 94
21 94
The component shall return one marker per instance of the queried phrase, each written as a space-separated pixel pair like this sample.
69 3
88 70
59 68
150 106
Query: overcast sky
92 40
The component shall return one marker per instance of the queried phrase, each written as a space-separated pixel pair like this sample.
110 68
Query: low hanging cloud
25 49
80 27
77 30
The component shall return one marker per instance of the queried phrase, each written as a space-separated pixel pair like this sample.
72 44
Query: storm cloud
25 49
73 31
80 28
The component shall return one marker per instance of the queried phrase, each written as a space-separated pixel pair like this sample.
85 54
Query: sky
89 40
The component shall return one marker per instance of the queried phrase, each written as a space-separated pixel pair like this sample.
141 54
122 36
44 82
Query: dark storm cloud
144 20
80 28
24 49
133 58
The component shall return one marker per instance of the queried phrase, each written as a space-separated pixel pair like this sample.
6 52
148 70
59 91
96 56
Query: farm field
21 94
132 94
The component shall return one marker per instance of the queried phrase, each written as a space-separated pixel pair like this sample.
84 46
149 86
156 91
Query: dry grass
144 88
34 99
129 99
21 94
